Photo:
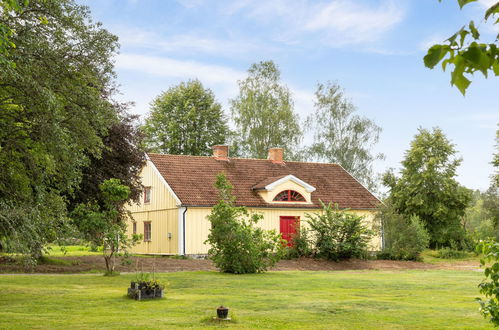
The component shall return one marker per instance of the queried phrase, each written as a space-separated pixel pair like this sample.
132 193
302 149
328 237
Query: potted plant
222 312
144 288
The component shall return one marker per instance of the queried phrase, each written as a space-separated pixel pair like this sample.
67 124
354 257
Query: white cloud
221 79
166 71
168 67
337 23
185 43
487 3
358 22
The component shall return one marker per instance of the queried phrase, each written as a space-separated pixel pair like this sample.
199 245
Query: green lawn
431 256
287 300
72 251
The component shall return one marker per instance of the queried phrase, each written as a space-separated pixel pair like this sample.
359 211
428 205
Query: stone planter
140 291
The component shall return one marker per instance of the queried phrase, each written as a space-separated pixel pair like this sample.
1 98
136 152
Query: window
134 228
147 195
289 196
147 231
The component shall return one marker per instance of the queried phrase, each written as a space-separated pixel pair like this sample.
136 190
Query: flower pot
222 312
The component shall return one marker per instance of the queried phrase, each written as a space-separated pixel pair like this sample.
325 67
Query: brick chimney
221 152
276 155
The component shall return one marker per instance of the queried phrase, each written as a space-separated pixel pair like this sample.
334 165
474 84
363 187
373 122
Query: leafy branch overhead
465 52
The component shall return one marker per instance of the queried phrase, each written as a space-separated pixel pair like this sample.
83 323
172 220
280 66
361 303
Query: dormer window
289 196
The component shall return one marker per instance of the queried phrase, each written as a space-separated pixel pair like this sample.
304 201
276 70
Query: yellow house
179 193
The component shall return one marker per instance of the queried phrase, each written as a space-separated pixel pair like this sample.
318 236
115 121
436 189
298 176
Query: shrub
404 238
300 244
105 225
237 246
338 234
489 287
449 253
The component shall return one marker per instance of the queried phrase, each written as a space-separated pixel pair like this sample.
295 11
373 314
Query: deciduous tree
104 222
7 8
55 106
121 158
263 113
341 136
185 120
428 189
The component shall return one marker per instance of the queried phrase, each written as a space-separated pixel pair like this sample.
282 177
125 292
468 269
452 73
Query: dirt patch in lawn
82 264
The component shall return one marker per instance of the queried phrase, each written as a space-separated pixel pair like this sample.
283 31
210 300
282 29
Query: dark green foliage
482 216
427 188
104 224
121 158
464 55
185 120
490 285
237 245
55 107
338 234
404 238
449 253
7 7
495 163
263 114
341 136
301 244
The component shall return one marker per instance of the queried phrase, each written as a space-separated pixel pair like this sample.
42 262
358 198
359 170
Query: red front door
288 227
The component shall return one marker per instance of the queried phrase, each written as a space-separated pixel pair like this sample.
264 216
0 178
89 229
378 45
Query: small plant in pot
222 312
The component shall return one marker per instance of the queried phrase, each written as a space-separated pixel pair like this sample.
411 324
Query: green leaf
435 55
444 64
463 3
495 68
452 39
492 11
476 56
474 31
457 77
461 82
463 33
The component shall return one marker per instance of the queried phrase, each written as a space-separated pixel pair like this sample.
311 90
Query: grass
432 257
72 251
281 300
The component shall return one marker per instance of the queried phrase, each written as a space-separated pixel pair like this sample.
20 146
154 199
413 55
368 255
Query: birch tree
263 113
341 136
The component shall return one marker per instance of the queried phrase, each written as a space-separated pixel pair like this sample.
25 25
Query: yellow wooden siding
161 211
161 198
162 223
198 226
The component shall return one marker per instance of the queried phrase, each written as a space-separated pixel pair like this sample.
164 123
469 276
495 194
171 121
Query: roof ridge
241 158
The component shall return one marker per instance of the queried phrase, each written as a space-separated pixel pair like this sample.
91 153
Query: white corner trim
181 229
155 169
293 178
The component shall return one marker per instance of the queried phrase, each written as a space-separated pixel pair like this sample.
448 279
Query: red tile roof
262 184
192 178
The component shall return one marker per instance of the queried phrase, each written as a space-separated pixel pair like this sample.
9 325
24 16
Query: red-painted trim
289 196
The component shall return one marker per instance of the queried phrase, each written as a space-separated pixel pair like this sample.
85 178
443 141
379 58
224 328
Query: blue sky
372 48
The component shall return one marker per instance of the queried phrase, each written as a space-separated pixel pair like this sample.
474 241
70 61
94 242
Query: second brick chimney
276 155
221 152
